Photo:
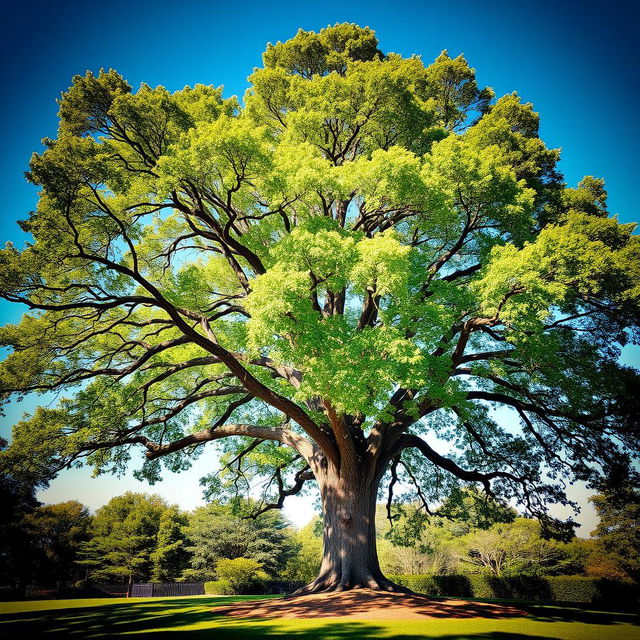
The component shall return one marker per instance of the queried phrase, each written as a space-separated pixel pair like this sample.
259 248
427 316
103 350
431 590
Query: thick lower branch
410 440
286 436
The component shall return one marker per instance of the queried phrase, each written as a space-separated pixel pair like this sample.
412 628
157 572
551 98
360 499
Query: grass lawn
194 618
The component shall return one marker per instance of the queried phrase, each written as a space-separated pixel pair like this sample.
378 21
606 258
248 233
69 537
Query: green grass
194 618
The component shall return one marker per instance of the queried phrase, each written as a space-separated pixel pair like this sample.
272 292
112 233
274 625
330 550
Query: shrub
244 575
219 587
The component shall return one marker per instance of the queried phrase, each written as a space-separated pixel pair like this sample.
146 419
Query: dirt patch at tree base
365 604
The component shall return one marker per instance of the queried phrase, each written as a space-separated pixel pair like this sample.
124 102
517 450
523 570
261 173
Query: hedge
550 588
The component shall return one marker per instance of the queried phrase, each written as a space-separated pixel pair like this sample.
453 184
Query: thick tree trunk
350 558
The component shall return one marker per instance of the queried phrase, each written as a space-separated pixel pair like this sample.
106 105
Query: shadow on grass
335 631
178 617
573 613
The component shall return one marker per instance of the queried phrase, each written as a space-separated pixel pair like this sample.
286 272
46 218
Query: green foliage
123 543
242 574
170 557
369 250
17 500
618 531
217 532
618 593
475 509
331 49
471 533
304 566
218 587
510 549
451 86
57 534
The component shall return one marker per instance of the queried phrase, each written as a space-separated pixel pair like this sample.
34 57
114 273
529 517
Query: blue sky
576 61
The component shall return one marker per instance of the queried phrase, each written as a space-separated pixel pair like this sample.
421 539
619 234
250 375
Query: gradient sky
576 61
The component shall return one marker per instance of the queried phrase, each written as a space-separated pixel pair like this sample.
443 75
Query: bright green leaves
39 444
140 125
84 107
566 264
278 303
353 368
357 370
590 197
221 156
204 103
373 105
484 191
453 91
478 177
513 127
302 176
194 278
381 266
32 361
390 180
322 249
331 49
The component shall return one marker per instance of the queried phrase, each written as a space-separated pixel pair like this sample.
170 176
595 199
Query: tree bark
350 558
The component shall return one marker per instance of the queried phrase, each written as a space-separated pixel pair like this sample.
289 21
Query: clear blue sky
576 61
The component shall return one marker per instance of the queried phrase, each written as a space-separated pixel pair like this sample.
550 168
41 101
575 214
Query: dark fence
155 589
118 590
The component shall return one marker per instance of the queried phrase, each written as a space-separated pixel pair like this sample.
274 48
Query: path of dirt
364 604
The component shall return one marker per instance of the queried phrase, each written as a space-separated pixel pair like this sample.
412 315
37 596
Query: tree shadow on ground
336 631
573 613
179 616
368 606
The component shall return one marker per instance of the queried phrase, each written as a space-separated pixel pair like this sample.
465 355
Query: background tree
171 556
345 276
56 534
511 549
420 542
16 501
219 531
617 534
305 564
124 537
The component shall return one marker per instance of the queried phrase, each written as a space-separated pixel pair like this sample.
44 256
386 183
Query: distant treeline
139 537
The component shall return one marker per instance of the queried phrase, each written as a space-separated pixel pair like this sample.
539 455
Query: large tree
345 276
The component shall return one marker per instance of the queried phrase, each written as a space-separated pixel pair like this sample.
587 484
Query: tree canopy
347 275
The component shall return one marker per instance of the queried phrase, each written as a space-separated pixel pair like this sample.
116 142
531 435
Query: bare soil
365 604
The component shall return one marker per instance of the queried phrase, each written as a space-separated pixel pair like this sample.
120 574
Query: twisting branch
416 484
302 476
394 478
410 440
